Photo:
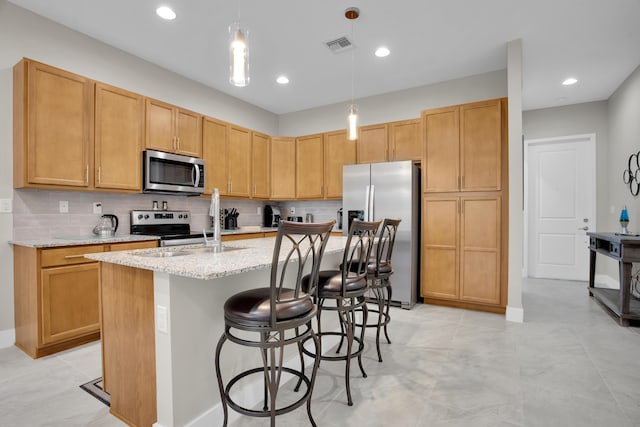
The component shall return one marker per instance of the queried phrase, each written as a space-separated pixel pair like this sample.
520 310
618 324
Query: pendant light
238 53
351 14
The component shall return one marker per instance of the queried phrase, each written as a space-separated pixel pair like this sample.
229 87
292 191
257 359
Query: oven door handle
196 180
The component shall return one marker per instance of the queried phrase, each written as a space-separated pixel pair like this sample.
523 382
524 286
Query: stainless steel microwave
172 173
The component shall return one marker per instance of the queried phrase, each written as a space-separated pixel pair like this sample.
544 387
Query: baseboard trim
515 314
7 338
605 281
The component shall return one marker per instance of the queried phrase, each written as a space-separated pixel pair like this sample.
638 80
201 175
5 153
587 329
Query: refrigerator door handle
366 203
372 198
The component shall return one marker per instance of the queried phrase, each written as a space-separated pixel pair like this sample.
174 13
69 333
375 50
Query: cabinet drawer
129 246
68 255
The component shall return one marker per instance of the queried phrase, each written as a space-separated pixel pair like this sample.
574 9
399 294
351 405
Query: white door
561 206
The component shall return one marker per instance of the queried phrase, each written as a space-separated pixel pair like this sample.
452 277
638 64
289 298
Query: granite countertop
240 256
81 240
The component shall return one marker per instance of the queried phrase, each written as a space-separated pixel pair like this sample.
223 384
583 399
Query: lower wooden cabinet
462 251
57 296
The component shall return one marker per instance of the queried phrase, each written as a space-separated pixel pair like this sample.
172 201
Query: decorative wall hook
631 175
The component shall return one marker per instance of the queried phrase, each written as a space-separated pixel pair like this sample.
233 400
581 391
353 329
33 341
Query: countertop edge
80 241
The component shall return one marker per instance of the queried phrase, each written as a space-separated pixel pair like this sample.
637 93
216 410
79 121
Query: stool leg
316 364
342 332
345 319
223 396
380 301
365 315
388 317
297 387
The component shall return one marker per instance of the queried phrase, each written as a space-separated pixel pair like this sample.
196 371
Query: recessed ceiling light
283 80
381 52
570 81
165 12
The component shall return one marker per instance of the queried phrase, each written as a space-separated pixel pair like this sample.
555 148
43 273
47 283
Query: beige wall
401 105
24 34
624 140
580 119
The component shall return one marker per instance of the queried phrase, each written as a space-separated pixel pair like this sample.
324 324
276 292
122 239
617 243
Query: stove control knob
186 216
146 217
180 216
139 216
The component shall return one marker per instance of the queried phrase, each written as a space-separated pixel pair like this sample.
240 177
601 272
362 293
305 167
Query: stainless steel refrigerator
376 191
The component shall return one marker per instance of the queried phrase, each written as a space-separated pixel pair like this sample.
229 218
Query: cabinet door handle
73 256
99 174
585 228
462 185
177 143
86 174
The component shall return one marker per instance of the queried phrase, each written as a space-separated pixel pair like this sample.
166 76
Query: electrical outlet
64 206
97 207
292 210
6 205
162 320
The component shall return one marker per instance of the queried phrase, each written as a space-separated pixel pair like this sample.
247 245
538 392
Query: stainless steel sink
163 254
211 249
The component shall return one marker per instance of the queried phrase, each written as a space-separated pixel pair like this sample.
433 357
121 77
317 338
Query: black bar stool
378 273
271 312
347 288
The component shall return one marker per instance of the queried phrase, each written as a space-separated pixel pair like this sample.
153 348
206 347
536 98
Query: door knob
585 228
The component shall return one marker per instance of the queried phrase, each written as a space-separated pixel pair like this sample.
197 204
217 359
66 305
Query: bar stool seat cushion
385 267
330 282
254 306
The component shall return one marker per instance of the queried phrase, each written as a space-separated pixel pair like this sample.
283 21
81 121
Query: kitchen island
162 315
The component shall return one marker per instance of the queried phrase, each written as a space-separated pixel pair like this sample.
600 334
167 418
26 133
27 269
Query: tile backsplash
36 213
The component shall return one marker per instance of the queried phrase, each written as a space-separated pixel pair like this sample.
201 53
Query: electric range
173 227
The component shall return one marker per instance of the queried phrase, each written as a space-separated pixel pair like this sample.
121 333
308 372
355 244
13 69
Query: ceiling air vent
340 44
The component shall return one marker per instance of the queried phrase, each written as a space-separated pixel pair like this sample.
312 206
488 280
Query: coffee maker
271 216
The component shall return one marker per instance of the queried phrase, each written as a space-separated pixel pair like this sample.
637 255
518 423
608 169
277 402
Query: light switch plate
97 207
6 205
64 206
292 210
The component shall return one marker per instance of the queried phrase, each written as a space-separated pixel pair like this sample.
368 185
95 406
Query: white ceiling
431 41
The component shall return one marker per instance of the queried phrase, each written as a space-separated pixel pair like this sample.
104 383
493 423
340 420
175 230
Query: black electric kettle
107 226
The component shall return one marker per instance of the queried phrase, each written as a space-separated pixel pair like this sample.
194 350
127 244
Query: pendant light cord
353 65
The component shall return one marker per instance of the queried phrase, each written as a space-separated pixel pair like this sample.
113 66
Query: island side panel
128 343
187 389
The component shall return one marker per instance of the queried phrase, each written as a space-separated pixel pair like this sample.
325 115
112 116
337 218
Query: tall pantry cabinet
465 221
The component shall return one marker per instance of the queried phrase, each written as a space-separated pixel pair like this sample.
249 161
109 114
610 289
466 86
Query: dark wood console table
625 249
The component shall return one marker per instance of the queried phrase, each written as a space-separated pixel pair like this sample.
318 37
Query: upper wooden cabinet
338 151
260 165
405 142
214 153
227 156
53 127
309 167
372 143
172 129
119 130
283 168
239 161
463 147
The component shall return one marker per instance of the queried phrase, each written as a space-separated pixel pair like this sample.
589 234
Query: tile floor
568 364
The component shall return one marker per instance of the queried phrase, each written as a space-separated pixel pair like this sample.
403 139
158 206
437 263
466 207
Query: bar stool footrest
262 413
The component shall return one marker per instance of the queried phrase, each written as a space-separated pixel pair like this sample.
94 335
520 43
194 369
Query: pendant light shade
352 14
352 122
238 55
